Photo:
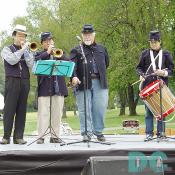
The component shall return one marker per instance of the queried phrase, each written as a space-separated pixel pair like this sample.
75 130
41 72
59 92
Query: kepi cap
46 36
154 35
87 28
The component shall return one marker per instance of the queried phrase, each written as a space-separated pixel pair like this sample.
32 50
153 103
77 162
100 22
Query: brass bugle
33 46
57 53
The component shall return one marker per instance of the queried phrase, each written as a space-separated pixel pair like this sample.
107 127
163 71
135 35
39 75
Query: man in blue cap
160 62
53 87
96 84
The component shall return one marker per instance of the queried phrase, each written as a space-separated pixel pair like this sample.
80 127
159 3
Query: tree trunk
64 112
122 110
122 97
132 102
75 109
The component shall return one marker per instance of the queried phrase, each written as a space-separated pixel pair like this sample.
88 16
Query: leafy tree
122 26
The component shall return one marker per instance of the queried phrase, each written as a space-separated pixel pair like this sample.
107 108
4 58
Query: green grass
113 122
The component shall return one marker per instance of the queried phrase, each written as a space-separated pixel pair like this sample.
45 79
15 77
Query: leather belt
95 76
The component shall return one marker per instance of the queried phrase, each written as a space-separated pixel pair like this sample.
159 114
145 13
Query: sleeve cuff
166 73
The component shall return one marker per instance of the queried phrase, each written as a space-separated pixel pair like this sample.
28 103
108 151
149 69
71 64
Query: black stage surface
53 159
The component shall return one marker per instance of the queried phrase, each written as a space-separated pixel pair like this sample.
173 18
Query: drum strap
154 59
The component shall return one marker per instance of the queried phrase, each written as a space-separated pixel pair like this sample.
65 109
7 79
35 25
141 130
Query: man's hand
160 72
25 45
75 81
50 48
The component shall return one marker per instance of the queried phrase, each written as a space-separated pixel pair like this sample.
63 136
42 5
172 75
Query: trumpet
33 46
58 53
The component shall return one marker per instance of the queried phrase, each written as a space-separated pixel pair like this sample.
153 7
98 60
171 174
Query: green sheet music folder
60 67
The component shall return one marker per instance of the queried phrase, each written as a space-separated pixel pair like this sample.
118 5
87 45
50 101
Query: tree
122 26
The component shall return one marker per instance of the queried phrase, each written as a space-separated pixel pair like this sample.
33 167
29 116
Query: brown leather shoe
19 141
55 140
101 138
5 141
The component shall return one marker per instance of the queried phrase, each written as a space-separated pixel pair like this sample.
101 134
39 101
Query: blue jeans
96 105
149 120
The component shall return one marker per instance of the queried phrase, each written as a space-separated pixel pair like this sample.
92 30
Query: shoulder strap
12 48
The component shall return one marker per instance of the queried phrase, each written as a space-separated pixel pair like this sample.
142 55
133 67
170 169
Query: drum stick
135 82
152 74
142 80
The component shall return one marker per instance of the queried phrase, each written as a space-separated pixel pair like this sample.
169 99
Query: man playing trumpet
53 87
17 61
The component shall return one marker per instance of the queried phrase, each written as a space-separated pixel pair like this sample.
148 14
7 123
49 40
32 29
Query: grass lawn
113 122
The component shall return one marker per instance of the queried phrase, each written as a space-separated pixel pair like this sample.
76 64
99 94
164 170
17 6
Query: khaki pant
57 103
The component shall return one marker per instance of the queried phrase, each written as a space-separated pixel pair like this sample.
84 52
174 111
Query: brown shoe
101 138
19 141
55 140
5 141
40 141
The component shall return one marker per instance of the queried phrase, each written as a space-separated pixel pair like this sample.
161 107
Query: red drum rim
145 92
165 114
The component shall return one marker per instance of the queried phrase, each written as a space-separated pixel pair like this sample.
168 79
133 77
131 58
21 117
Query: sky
10 9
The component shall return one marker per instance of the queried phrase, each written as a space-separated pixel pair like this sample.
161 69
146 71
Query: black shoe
40 141
55 140
101 138
149 137
19 141
161 136
5 141
86 138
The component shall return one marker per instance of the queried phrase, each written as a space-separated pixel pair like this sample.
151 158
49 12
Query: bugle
33 46
58 53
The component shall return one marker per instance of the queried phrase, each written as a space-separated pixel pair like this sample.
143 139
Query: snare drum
151 97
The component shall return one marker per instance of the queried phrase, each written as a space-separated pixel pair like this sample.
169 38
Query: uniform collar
16 46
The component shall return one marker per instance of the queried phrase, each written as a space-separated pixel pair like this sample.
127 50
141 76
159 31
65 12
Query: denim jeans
96 105
149 120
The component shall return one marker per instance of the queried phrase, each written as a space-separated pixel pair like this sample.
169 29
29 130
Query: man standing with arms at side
96 84
17 61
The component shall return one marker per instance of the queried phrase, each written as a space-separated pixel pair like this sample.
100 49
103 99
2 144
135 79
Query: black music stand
161 112
52 68
85 74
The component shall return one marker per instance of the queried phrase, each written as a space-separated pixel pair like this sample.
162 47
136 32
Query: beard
88 43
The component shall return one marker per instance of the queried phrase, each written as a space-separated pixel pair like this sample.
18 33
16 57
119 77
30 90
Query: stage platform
53 159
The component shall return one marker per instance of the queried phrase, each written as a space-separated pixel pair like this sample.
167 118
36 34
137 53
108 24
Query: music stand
52 68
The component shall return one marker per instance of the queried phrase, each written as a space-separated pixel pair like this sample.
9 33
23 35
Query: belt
95 76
